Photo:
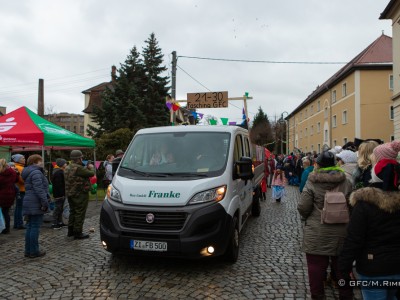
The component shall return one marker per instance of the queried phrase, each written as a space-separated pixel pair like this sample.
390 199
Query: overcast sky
72 45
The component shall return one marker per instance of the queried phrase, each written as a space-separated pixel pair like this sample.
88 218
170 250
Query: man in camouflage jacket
77 186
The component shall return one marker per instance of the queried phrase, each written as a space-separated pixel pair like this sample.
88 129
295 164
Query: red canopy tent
23 130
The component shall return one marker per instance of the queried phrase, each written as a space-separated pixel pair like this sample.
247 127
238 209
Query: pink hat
387 150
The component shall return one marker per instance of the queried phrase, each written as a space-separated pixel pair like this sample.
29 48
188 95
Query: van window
238 153
246 147
176 154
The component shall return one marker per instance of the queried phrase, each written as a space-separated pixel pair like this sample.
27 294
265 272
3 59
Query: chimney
113 73
41 98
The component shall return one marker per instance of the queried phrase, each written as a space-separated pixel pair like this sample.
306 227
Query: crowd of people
367 174
25 187
368 246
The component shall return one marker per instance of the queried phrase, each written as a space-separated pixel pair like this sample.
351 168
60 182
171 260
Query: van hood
163 193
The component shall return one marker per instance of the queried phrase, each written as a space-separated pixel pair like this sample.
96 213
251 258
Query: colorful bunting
175 107
213 122
200 115
224 121
232 123
169 105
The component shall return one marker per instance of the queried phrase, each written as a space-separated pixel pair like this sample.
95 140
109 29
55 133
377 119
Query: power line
268 61
55 79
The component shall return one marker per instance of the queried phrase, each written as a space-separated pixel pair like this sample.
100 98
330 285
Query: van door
243 188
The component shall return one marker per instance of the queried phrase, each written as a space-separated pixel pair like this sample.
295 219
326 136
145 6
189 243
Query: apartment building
71 122
354 103
392 12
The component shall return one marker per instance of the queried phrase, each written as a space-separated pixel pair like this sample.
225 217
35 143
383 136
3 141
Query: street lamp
287 133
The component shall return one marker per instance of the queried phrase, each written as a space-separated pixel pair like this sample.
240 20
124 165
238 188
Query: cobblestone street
270 266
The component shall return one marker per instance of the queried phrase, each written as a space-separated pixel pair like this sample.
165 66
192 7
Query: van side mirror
243 169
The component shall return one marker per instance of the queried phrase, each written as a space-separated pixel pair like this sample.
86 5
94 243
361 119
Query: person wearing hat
322 243
373 233
119 153
347 160
19 163
58 181
77 187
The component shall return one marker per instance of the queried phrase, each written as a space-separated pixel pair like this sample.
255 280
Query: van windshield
186 154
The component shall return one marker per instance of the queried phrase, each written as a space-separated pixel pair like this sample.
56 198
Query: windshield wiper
190 174
145 174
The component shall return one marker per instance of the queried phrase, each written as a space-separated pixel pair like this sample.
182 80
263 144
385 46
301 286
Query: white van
182 191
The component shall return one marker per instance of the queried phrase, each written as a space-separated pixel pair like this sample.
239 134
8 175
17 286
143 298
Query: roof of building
390 9
377 55
95 95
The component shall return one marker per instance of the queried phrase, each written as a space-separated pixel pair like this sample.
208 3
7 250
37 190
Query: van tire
232 252
256 206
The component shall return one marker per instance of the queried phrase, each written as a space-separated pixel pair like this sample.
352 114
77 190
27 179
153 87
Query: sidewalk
19 234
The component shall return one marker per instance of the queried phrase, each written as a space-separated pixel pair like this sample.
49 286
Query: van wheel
232 252
256 206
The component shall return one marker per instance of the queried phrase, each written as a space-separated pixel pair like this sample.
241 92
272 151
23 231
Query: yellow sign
207 100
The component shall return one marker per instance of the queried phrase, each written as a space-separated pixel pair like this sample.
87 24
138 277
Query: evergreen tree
157 85
261 131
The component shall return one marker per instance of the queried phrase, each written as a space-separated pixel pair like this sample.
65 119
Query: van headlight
113 194
215 194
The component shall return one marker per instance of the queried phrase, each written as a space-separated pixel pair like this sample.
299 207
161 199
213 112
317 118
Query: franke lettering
171 194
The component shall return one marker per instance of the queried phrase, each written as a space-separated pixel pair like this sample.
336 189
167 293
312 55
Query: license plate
148 245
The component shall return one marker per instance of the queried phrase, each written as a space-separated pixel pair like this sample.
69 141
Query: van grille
162 220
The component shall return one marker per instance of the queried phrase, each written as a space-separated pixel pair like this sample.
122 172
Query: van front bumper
188 230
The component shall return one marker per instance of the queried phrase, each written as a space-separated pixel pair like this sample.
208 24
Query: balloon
94 186
93 180
50 188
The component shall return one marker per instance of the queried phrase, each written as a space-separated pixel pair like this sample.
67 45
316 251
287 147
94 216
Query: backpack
335 210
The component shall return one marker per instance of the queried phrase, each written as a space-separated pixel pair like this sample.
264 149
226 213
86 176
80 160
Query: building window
326 135
391 82
344 89
305 114
68 127
312 109
305 133
318 127
301 134
334 143
81 129
334 121
333 96
344 117
319 106
344 141
391 113
312 147
326 112
312 130
301 116
392 138
319 148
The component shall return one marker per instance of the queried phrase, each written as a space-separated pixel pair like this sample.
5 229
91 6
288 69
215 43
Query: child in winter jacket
279 182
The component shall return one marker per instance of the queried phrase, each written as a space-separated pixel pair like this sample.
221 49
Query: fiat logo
150 218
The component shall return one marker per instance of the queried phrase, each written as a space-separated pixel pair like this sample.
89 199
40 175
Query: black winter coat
58 182
373 233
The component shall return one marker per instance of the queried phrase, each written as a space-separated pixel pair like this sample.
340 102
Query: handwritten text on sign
207 100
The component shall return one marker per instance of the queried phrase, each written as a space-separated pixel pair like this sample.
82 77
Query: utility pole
173 85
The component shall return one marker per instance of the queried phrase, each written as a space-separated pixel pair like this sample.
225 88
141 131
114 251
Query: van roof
192 128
